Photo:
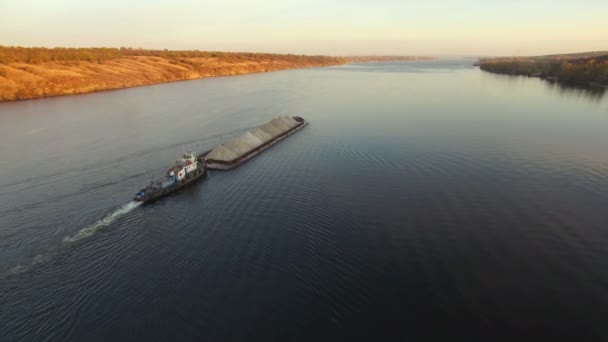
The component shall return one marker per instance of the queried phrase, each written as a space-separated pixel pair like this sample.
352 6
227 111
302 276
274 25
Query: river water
425 200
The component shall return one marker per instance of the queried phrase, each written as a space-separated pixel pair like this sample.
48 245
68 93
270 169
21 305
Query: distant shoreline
30 73
587 70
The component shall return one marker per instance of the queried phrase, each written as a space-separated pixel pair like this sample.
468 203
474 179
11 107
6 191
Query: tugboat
185 170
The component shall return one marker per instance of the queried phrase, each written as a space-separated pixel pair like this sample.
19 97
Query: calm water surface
424 200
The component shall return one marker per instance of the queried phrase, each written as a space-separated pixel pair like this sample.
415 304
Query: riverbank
27 73
30 77
581 70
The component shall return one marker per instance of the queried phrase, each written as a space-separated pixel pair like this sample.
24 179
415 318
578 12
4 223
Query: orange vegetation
27 73
31 75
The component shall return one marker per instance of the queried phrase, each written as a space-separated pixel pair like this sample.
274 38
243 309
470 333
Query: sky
338 27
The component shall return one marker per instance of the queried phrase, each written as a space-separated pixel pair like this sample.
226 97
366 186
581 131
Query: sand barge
239 149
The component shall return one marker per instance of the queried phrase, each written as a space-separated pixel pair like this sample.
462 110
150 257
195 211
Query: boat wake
104 222
82 234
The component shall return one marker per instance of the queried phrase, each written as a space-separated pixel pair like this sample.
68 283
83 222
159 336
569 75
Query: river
426 199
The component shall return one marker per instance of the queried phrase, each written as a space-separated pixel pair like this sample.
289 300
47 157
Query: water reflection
592 93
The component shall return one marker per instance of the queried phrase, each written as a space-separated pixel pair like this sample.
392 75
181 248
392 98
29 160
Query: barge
248 145
186 170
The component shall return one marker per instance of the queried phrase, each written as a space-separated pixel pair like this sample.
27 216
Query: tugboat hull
152 196
178 177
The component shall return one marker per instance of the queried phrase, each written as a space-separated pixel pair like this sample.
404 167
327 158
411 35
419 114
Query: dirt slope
20 80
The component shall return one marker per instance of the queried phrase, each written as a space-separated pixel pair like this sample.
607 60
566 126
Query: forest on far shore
587 71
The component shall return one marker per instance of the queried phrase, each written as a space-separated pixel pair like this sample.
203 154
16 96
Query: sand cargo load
239 149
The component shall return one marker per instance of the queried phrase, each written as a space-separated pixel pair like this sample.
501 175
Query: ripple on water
395 223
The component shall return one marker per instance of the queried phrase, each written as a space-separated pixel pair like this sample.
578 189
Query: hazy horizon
385 27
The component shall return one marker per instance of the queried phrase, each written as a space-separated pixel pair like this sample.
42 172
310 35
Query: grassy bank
585 70
27 73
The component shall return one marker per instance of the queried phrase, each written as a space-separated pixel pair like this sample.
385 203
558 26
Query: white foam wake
83 233
104 222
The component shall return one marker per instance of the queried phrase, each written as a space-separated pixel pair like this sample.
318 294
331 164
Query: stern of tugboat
139 196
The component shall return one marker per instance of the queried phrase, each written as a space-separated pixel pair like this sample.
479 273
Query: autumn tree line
592 71
35 55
